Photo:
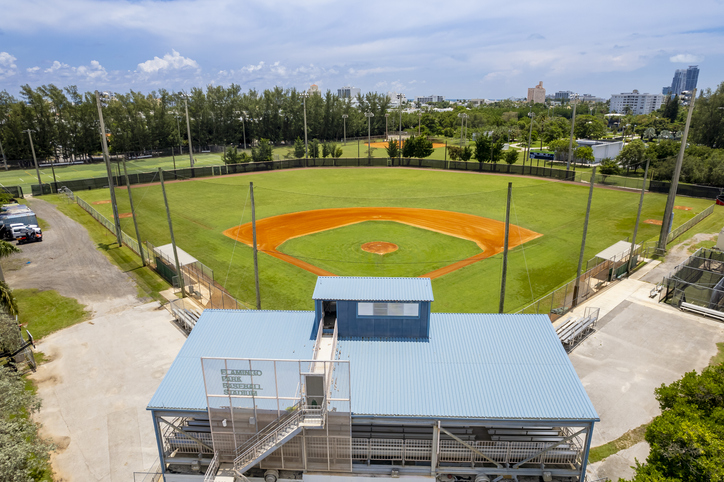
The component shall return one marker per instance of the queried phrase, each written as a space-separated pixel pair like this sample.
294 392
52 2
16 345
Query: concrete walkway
638 345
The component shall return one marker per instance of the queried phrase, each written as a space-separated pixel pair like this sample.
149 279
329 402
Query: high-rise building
563 95
684 79
537 94
348 92
637 103
692 76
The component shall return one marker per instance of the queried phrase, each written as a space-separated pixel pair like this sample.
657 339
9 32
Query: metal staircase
277 434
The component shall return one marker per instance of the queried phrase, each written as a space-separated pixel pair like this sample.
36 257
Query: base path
487 233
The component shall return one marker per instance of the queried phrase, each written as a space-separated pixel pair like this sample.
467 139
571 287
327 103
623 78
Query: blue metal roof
473 366
372 289
232 334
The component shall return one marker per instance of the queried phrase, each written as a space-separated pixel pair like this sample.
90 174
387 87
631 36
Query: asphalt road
68 261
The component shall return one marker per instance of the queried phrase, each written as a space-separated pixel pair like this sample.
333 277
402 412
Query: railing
213 468
266 440
675 233
152 475
453 452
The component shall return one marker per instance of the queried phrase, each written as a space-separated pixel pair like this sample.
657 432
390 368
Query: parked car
30 234
15 230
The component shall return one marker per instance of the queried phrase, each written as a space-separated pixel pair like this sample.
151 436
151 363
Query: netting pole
107 158
173 241
253 230
133 212
505 250
583 241
638 218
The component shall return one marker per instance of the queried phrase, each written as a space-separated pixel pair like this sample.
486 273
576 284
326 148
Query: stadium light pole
107 157
306 151
369 116
530 133
666 224
243 127
35 160
344 126
574 99
387 115
419 123
188 129
253 231
133 213
399 142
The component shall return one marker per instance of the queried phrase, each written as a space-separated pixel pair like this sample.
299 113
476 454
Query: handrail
293 410
213 468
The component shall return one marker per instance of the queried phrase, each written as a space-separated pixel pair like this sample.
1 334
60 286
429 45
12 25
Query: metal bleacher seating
574 330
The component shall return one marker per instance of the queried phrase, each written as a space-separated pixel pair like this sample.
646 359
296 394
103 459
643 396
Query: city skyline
468 50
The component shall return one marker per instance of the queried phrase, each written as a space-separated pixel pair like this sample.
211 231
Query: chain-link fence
198 278
699 280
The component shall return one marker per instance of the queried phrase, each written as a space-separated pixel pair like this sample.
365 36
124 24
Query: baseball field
389 222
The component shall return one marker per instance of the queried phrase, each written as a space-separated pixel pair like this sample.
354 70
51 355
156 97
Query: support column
435 447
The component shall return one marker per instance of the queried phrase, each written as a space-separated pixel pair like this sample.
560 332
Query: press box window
388 309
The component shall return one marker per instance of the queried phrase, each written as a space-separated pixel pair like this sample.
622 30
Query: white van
15 229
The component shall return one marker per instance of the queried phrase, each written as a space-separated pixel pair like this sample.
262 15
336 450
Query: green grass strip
629 439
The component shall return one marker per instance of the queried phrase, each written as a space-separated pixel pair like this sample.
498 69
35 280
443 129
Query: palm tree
7 300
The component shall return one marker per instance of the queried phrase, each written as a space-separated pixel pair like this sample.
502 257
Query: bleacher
573 330
526 434
187 318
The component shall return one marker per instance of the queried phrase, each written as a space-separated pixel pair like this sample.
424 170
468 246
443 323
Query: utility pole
666 224
505 249
253 235
306 151
386 116
107 157
419 124
583 241
5 161
173 240
631 263
35 160
133 213
188 129
399 150
369 116
570 142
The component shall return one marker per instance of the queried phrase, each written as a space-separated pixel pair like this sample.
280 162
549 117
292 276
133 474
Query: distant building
684 79
537 94
396 99
428 99
563 95
590 98
348 92
602 149
637 102
666 90
313 89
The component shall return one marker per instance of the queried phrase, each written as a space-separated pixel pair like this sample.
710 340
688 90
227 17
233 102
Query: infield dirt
487 233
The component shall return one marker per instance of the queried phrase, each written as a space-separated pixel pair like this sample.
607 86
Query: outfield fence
76 185
198 278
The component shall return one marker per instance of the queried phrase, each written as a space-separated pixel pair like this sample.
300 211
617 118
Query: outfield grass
26 177
44 312
203 209
339 250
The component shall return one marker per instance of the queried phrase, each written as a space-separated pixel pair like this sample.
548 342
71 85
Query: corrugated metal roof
166 251
616 251
232 334
472 366
372 289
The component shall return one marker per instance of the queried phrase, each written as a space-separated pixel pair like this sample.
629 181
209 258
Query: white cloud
33 70
56 67
685 59
172 61
94 71
252 68
7 65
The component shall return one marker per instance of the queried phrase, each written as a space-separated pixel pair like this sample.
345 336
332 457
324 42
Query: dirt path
67 261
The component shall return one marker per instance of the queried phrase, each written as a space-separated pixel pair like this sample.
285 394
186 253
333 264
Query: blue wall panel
351 325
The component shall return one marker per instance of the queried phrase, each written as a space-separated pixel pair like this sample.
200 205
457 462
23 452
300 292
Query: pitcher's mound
379 247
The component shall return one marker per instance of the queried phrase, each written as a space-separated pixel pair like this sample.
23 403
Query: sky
457 49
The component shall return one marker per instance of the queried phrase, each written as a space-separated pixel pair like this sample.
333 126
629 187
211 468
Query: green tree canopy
633 155
589 127
299 148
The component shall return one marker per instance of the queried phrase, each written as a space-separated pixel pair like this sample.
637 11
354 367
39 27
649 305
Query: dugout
274 395
166 263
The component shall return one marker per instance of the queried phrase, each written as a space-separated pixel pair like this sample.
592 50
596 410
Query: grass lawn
339 250
203 209
44 312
